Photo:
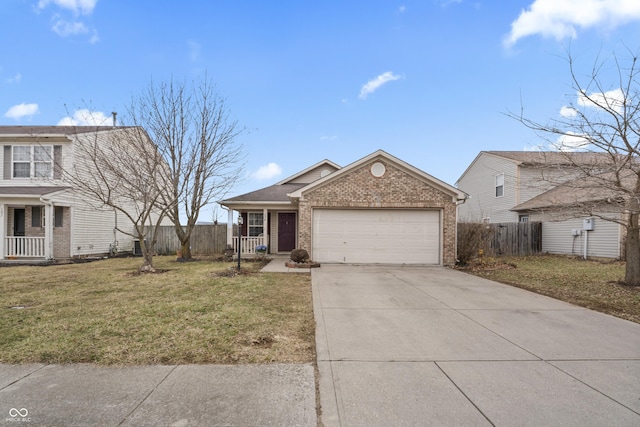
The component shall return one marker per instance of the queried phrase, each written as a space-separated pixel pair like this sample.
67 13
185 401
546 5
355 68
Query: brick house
378 209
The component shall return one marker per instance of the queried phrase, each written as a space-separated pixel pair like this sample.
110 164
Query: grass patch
588 283
103 313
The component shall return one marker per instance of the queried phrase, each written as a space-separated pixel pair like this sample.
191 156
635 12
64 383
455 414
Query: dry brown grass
102 312
592 284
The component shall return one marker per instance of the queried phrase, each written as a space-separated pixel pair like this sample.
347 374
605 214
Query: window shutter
57 162
7 162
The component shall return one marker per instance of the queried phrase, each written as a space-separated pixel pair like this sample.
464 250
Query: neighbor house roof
580 191
545 158
29 191
51 130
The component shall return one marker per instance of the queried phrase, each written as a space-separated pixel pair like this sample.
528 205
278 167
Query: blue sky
428 81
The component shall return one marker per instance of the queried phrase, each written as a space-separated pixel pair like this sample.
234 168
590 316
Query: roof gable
312 173
441 185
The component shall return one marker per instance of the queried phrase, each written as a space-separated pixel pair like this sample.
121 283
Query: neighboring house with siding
41 216
512 186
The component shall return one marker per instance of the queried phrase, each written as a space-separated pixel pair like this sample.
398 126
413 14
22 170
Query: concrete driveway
434 346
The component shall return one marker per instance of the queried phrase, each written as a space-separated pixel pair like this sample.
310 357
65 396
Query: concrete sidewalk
434 346
184 395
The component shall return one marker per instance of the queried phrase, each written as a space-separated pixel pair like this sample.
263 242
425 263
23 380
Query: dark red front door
286 231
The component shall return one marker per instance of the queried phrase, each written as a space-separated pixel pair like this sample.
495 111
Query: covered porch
268 217
31 226
272 228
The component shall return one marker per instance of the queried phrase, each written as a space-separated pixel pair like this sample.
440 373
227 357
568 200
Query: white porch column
265 227
3 228
48 231
230 227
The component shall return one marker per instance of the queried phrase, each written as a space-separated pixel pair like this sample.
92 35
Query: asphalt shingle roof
274 193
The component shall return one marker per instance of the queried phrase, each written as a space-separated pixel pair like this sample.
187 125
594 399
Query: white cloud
268 171
21 110
84 7
568 112
375 83
84 117
66 25
560 18
15 79
402 9
571 142
65 28
613 99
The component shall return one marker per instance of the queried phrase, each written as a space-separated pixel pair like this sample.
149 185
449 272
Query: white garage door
379 236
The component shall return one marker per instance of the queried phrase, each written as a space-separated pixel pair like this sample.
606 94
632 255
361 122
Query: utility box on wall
587 224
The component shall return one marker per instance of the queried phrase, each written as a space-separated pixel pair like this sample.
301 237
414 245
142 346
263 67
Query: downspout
586 239
113 248
48 233
458 202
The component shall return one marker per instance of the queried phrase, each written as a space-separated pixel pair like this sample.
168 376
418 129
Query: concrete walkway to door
435 346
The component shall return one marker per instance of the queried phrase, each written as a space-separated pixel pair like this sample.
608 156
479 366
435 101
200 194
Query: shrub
299 255
471 238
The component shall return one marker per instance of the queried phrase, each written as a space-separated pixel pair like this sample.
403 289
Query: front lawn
592 284
104 312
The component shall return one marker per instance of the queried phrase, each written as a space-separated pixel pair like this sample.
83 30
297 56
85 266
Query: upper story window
256 223
500 185
32 161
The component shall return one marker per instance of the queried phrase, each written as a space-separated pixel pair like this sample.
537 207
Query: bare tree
191 127
123 169
603 122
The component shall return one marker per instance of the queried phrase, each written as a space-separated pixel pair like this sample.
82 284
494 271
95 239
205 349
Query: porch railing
24 247
248 244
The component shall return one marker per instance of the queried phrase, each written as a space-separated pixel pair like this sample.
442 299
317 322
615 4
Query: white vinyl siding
602 242
383 236
480 183
313 175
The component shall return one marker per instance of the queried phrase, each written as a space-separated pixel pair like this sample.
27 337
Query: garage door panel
376 236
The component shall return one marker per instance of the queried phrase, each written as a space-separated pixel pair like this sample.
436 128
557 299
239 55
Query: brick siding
396 189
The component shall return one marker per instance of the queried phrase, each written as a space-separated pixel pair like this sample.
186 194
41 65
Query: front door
286 231
18 222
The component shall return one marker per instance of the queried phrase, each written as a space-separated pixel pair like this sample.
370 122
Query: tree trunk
632 249
186 249
147 263
184 236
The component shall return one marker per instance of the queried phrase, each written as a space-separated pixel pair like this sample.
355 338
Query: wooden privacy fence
517 238
206 239
510 238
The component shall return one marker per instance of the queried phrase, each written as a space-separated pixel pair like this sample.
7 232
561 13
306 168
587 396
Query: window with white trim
32 161
523 218
500 185
256 224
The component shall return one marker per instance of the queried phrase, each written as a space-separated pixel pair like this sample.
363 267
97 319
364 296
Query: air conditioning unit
136 248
